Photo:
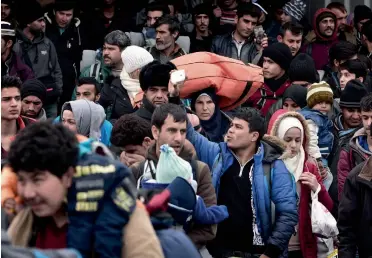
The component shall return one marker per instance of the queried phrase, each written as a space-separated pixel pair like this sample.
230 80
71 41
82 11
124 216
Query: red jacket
308 241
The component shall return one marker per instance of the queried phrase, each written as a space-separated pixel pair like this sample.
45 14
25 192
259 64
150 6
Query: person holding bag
290 129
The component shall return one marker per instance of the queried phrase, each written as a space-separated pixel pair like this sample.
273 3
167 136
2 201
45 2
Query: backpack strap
95 69
267 174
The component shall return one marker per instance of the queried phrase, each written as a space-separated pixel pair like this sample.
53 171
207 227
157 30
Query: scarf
295 164
132 86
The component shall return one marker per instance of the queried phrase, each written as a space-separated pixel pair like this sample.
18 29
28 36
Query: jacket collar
366 174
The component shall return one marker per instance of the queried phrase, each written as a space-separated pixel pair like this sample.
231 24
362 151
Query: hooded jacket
41 56
308 241
350 156
15 67
355 213
199 234
283 194
318 49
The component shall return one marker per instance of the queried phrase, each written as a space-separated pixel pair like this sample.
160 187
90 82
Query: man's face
292 41
164 38
245 25
5 12
86 91
341 19
3 46
271 70
10 103
345 77
152 17
111 55
68 120
37 26
157 95
31 106
327 27
351 117
43 191
202 22
171 133
239 136
366 120
136 149
63 18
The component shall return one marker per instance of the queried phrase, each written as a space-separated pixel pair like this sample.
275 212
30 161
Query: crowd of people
106 152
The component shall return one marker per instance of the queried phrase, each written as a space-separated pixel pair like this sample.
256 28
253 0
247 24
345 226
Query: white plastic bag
323 224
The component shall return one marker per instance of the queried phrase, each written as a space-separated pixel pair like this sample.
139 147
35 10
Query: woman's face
68 120
292 139
204 107
290 105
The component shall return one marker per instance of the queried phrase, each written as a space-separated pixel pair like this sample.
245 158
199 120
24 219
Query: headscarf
218 124
89 117
295 165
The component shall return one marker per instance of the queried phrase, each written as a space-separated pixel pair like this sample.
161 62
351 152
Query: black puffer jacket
355 213
225 46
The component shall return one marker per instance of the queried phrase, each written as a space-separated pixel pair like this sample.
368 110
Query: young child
319 103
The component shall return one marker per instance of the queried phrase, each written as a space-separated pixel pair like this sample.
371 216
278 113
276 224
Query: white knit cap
135 57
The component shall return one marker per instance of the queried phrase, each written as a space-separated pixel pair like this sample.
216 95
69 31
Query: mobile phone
259 34
178 77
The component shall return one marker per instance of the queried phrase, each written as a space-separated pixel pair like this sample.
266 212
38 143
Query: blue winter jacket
283 192
100 201
325 125
106 130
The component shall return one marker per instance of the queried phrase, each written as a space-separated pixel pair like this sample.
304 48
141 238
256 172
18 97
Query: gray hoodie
89 117
43 57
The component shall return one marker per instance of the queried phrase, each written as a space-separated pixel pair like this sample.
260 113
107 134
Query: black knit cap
297 93
203 9
155 74
64 5
279 53
362 12
352 94
31 11
302 68
34 87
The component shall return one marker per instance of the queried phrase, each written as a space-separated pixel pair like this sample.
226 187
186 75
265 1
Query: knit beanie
297 94
135 57
319 92
31 11
34 87
295 9
64 5
7 29
170 166
279 53
155 74
352 94
361 12
302 68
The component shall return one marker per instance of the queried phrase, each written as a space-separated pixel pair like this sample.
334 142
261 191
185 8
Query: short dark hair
342 50
130 129
366 103
355 66
337 5
90 80
173 23
161 113
248 9
366 61
367 30
10 82
44 146
118 38
294 27
254 119
155 6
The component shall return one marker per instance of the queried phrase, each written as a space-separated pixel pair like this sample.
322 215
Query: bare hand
129 159
174 89
309 179
217 12
10 205
264 43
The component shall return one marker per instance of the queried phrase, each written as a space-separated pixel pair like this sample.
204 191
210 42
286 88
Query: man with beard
201 37
345 32
167 32
33 95
10 62
326 36
7 11
291 35
64 31
39 53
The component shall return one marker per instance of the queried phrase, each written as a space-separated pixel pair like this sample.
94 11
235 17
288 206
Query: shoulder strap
94 70
267 174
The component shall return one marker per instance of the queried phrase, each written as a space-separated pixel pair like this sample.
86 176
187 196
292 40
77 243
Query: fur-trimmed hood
278 116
